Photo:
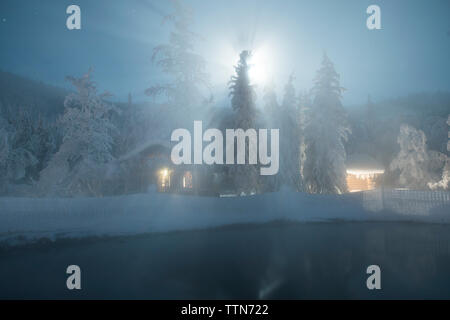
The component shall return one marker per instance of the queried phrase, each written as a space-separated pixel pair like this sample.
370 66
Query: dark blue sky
410 54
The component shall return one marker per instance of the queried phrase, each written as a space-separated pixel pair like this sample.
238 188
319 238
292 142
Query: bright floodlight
259 66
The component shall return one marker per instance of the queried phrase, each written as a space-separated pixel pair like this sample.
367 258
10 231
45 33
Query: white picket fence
410 202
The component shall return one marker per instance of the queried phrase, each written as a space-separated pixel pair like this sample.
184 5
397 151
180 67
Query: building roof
149 147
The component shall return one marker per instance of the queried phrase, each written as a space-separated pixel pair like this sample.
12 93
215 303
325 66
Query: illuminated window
164 179
187 180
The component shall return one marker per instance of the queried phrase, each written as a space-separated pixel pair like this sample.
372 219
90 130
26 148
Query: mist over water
278 261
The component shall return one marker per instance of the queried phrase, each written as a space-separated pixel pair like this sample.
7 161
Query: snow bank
25 219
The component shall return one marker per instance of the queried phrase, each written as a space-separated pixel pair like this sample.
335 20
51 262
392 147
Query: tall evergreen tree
29 146
325 134
185 93
272 112
413 162
243 103
304 103
271 106
80 165
290 140
22 158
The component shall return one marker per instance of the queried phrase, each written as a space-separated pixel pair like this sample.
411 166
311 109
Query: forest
68 143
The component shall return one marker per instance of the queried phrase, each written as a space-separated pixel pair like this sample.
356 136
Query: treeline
59 143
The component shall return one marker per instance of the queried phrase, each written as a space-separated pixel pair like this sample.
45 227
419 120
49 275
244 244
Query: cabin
363 173
180 179
184 179
152 165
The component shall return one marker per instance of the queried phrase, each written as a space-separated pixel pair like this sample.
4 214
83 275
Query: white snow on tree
26 146
290 138
271 106
414 163
272 121
81 163
304 103
243 103
326 132
185 93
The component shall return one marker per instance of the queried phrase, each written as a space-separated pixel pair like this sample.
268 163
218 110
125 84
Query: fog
171 170
409 54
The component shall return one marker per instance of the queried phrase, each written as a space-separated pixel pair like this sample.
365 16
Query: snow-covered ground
30 219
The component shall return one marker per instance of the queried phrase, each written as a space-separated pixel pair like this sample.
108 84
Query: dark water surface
277 261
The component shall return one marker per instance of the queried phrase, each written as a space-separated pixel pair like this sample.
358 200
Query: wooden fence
411 202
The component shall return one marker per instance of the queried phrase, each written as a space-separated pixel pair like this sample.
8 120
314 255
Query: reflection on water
283 260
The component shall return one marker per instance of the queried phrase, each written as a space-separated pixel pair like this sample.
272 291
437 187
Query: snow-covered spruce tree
271 114
21 157
289 138
43 143
29 146
304 103
39 141
413 160
325 134
271 106
186 69
243 97
81 163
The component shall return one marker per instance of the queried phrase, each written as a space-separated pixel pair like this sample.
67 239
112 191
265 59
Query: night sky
410 54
